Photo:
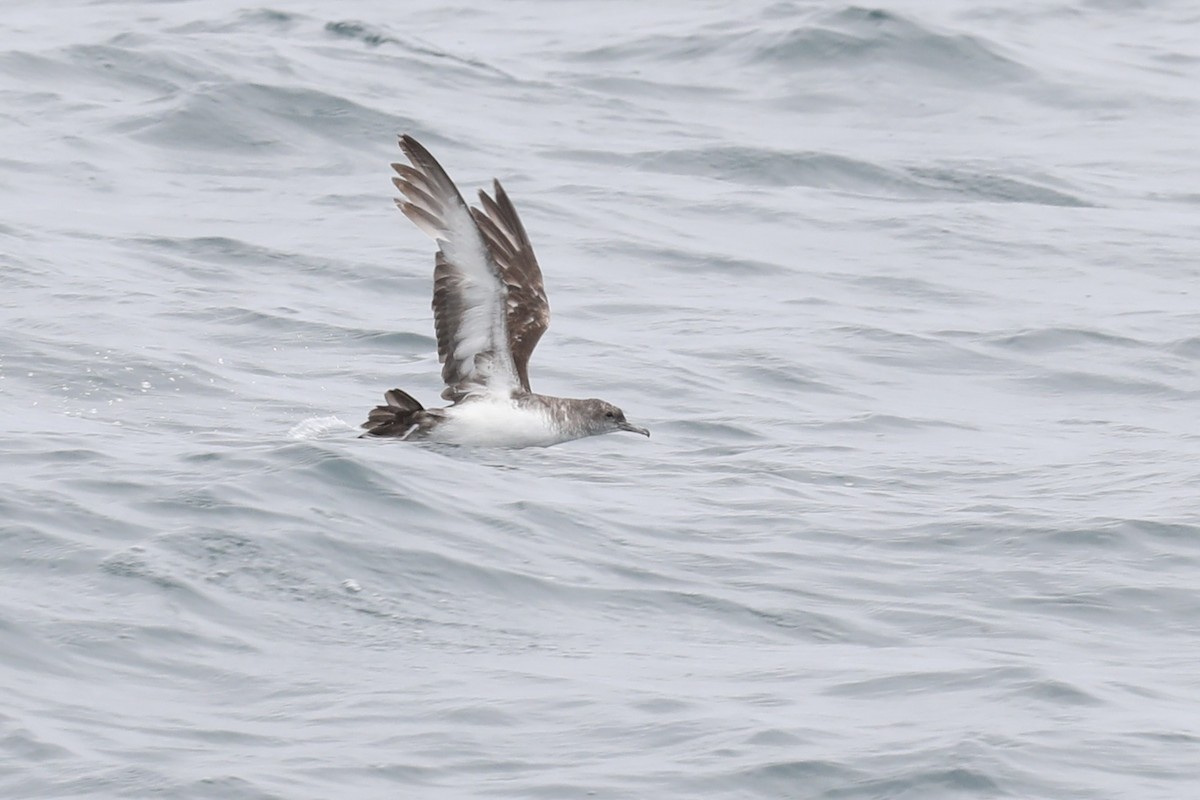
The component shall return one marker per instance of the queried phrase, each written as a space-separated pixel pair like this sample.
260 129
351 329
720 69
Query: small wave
248 118
1050 340
759 166
360 31
860 36
852 38
245 21
985 186
373 36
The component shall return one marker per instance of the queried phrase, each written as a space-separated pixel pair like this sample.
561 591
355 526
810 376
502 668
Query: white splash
315 427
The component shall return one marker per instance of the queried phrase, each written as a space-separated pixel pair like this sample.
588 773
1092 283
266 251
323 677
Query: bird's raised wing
470 291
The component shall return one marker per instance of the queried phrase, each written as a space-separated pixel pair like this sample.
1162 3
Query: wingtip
412 148
409 145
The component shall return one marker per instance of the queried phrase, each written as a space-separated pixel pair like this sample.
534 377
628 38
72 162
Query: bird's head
604 417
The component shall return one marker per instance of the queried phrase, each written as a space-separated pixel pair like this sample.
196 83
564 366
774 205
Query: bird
490 310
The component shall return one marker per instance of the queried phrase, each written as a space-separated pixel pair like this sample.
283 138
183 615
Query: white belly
496 423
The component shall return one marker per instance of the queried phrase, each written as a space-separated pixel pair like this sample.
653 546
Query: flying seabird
489 311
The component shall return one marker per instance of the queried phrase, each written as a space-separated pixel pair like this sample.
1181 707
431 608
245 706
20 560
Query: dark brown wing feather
528 310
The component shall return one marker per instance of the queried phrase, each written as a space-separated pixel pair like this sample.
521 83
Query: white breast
496 423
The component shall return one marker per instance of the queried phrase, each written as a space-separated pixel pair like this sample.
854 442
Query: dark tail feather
394 419
402 400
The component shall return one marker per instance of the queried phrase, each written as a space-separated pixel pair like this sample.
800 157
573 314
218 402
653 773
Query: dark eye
608 414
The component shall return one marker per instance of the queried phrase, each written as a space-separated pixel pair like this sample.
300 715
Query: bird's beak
625 426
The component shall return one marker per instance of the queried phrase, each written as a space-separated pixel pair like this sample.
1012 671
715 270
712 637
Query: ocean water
909 295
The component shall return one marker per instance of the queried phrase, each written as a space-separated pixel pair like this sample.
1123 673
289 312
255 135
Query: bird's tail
397 418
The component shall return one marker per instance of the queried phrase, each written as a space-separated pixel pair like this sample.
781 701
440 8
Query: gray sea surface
909 295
